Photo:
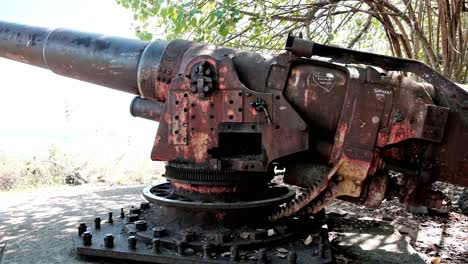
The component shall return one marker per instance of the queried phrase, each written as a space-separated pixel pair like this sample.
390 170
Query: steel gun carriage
352 127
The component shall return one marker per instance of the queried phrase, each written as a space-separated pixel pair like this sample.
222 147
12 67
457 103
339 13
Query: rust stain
206 189
400 132
223 70
306 97
167 117
161 91
199 143
16 57
183 151
204 106
158 139
339 141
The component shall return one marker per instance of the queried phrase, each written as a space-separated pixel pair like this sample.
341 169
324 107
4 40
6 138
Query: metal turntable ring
161 194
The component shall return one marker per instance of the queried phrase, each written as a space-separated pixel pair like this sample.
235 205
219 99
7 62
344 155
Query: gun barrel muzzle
100 59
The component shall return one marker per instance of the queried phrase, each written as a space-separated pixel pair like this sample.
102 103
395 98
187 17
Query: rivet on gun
109 241
97 222
87 238
111 219
82 228
132 242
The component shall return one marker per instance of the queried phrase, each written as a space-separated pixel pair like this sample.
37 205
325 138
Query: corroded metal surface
163 240
144 108
164 194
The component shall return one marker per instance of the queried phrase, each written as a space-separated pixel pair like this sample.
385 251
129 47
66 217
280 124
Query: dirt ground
37 227
436 237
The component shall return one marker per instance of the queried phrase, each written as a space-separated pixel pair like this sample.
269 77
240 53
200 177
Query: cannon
341 123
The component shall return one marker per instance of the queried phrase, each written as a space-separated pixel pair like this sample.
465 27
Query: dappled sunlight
371 240
38 225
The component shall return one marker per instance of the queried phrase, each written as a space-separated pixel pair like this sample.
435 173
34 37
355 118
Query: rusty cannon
351 126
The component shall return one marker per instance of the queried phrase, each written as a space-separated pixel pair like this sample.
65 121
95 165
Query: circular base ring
162 194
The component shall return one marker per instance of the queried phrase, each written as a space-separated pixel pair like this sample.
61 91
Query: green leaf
143 35
194 12
187 4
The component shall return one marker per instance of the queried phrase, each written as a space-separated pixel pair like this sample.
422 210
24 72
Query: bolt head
189 236
132 217
140 225
159 231
135 211
144 205
132 242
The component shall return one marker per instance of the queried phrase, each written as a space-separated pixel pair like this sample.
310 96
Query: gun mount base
160 234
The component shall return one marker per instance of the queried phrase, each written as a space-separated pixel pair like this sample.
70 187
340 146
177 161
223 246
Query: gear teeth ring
301 201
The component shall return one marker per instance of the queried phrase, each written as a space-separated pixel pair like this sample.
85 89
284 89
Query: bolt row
158 233
109 238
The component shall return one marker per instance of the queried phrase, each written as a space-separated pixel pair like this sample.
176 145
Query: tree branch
361 33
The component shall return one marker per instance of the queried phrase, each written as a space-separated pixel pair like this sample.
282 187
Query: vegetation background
53 127
433 31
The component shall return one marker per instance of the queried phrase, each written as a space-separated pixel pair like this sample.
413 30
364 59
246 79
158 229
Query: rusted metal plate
179 109
283 243
196 120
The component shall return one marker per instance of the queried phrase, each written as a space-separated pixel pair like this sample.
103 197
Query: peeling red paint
206 189
400 132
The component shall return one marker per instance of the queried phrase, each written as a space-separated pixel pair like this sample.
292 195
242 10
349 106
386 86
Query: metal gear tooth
210 176
303 197
319 202
306 199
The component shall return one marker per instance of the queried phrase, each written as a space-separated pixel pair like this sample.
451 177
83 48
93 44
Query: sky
39 109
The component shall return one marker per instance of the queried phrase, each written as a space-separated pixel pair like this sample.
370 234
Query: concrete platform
364 240
38 225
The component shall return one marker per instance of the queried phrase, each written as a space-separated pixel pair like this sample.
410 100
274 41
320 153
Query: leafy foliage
255 25
434 31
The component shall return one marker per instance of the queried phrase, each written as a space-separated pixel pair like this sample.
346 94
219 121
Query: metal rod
148 109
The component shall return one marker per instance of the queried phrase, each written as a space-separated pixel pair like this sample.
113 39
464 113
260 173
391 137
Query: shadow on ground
369 241
37 226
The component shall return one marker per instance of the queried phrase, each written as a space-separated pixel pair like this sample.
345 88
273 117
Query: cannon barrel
113 62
